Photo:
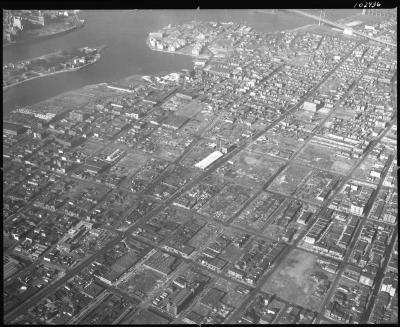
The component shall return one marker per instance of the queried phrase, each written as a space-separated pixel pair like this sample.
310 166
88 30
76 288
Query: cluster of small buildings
348 302
331 234
263 309
370 250
178 242
385 207
180 293
63 305
212 255
18 290
354 198
193 35
255 261
386 306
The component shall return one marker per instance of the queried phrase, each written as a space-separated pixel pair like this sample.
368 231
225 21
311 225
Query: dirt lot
288 180
251 169
144 281
292 280
325 158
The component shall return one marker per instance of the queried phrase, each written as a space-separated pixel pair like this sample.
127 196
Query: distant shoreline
43 37
176 52
208 57
7 87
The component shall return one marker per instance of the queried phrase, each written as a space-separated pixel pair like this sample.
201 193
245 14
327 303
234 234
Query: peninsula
57 62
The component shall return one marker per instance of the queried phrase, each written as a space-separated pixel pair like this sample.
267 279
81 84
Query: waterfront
126 46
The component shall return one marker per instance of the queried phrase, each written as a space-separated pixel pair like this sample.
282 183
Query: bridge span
329 22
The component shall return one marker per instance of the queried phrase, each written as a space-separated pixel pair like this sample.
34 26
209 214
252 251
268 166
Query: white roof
203 164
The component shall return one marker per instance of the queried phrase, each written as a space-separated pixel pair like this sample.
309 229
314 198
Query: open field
250 169
142 283
309 119
90 147
190 110
75 98
341 113
293 281
325 158
133 161
198 123
330 84
363 171
300 60
288 180
275 145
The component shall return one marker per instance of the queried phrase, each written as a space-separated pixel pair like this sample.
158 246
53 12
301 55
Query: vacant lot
330 84
341 113
90 147
251 169
142 283
190 110
276 145
292 280
325 158
364 170
299 60
288 180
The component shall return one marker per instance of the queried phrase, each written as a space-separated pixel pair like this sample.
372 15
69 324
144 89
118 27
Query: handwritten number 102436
367 4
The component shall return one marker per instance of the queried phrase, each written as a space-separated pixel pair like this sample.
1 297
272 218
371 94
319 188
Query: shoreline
177 52
7 87
164 51
43 37
209 57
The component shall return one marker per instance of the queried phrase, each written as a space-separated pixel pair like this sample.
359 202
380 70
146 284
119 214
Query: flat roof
209 160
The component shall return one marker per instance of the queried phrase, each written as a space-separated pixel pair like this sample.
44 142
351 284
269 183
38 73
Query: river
124 32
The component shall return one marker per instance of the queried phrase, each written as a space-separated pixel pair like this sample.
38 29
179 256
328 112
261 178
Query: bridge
337 25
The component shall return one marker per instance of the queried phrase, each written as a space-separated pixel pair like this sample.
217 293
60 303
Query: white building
203 164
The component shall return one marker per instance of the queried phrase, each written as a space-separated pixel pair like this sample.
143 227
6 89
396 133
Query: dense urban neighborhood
258 187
